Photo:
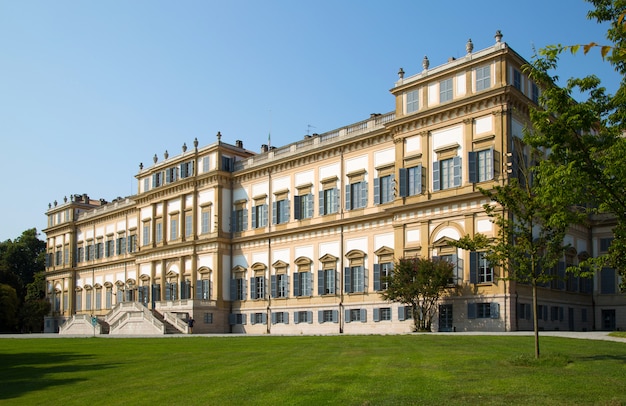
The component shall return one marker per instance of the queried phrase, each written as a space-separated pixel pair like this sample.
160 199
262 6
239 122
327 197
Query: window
523 311
185 289
208 318
259 216
108 296
303 317
98 298
237 318
381 273
481 166
88 299
412 101
483 310
303 206
171 291
607 281
280 318
405 313
280 285
517 79
483 78
146 233
80 253
58 257
329 201
146 184
99 250
239 220
143 294
171 175
189 223
556 313
280 211
90 249
457 271
157 179
327 316
132 243
353 315
447 173
382 314
156 293
227 164
238 288
205 222
326 282
481 271
159 232
445 90
354 279
79 301
411 181
66 255
356 195
186 169
384 189
302 283
534 93
203 289
120 246
109 248
173 228
605 244
205 164
257 287
259 318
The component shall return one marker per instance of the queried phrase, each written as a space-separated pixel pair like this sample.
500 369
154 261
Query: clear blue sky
89 89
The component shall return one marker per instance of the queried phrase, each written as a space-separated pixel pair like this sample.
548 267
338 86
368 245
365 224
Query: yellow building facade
297 239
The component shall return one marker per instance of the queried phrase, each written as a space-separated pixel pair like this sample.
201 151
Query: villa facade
297 239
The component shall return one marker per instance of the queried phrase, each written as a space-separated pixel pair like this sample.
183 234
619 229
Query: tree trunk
535 318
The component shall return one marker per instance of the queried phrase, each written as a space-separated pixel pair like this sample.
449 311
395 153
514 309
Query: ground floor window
382 314
353 315
259 318
303 317
327 316
208 318
280 318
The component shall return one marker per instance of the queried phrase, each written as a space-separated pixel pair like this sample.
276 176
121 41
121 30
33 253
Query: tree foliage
586 137
419 283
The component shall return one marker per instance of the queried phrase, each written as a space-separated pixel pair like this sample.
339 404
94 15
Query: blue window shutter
347 280
545 312
418 181
296 208
335 316
321 202
333 279
404 182
233 221
376 314
363 194
471 310
401 313
363 315
363 277
286 317
472 167
348 202
320 282
296 319
254 217
436 176
233 289
347 316
474 267
309 317
377 277
296 284
320 316
245 289
274 219
264 318
273 318
253 320
244 220
492 166
336 206
232 319
273 285
198 289
265 210
244 318
168 293
456 162
286 212
377 191
253 288
392 186
495 310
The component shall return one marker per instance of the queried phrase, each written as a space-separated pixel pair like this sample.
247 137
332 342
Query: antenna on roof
308 129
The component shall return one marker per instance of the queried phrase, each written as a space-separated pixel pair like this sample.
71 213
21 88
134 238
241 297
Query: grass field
311 370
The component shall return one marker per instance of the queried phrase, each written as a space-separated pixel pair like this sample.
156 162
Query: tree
8 308
531 224
419 283
586 137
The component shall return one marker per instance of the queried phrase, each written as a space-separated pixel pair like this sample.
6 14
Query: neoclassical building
297 239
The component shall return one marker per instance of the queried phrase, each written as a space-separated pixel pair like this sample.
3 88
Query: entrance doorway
608 319
445 317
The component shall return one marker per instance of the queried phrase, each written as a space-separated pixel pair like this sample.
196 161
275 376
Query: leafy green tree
586 138
419 283
36 306
8 308
531 225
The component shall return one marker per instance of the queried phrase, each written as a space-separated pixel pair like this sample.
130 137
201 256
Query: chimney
264 148
239 144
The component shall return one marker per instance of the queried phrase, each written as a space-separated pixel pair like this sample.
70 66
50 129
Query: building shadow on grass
27 372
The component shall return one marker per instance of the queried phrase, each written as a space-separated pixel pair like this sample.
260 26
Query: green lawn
341 370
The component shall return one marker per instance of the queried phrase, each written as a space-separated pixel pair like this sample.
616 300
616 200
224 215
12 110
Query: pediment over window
355 254
204 270
108 284
328 258
280 264
302 261
87 287
383 251
258 266
119 283
144 278
238 268
97 286
443 242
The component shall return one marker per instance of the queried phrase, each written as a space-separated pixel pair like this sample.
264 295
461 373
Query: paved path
587 335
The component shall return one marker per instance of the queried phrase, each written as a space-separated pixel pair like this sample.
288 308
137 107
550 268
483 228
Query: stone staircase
169 327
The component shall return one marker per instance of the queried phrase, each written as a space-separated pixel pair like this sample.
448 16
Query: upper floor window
186 169
238 287
302 283
481 166
447 173
280 285
205 222
517 79
534 93
158 232
257 287
228 164
171 175
173 227
280 211
205 164
132 243
239 218
303 206
354 275
328 200
121 246
481 270
157 179
109 249
445 90
189 223
259 216
146 184
356 195
411 181
384 189
483 78
412 101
